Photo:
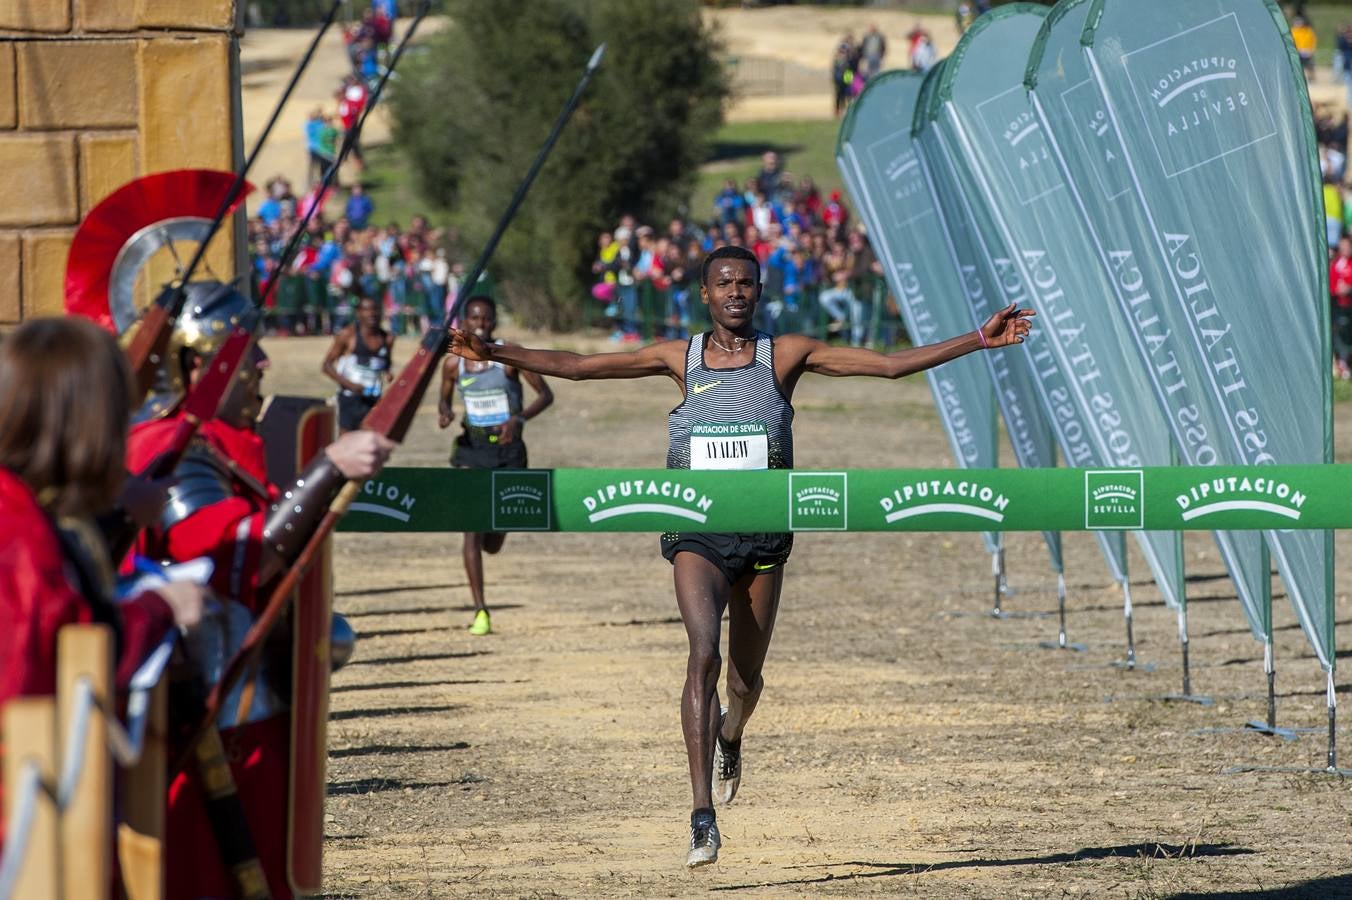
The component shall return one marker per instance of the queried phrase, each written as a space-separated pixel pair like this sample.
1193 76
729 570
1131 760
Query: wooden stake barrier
140 835
29 729
85 653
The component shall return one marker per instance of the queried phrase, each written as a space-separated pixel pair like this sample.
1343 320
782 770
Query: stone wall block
37 178
9 109
107 161
44 271
77 84
11 305
35 15
185 103
105 15
195 14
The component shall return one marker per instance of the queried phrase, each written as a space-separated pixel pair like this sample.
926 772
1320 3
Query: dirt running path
906 742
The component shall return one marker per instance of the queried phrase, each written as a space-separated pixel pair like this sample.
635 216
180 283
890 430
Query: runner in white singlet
492 435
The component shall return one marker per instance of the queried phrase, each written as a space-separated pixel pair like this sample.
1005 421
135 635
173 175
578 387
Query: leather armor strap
294 517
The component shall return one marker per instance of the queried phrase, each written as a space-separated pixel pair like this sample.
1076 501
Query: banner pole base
1287 734
1187 696
1253 726
1061 642
998 570
1333 724
1272 700
1287 770
1130 662
1270 726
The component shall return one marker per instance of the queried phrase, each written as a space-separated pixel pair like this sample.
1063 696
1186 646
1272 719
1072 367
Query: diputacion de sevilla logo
647 495
818 501
522 500
388 500
938 496
1234 493
1114 498
1200 95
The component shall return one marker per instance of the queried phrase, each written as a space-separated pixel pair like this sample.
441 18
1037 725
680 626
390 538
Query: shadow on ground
1330 888
344 715
394 749
416 657
1147 850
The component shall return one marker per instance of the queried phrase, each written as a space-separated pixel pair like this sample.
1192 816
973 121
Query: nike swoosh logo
764 567
701 388
468 381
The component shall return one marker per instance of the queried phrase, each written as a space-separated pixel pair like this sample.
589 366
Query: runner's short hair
483 298
728 252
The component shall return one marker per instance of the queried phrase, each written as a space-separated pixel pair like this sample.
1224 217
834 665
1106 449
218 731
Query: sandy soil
906 743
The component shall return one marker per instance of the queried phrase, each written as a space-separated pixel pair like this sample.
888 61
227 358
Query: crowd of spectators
854 63
345 256
968 11
819 274
368 40
1331 132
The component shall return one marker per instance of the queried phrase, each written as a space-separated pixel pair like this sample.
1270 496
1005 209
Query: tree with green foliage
472 109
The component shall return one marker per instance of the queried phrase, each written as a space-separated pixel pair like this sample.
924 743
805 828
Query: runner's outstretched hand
1006 326
468 345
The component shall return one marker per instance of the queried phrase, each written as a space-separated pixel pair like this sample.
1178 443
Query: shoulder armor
201 482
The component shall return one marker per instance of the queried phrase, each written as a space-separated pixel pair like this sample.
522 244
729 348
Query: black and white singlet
731 418
364 366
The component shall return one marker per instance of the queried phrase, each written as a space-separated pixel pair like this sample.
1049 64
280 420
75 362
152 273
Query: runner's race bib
487 409
729 445
366 376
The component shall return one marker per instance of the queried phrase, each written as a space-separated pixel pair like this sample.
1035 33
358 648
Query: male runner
732 374
359 360
492 430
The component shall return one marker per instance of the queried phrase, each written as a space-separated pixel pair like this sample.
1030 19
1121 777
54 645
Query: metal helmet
210 312
118 238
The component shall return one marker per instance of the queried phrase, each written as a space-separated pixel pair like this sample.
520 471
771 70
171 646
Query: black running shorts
735 555
351 411
476 451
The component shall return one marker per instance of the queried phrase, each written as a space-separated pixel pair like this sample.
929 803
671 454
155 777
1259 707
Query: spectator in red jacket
65 401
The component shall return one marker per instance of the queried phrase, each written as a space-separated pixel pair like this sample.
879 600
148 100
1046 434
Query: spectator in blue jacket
359 207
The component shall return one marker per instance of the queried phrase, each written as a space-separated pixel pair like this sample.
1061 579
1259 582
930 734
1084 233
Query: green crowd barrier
1276 498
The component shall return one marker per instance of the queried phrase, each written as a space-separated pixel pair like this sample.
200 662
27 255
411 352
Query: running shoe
482 623
727 765
704 840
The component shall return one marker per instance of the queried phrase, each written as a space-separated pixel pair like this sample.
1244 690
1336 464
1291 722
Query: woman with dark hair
65 401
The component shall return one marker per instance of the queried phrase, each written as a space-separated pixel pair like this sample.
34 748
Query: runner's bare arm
1004 327
342 343
450 371
544 397
665 358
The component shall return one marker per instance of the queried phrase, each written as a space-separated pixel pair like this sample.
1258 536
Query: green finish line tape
656 500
